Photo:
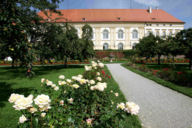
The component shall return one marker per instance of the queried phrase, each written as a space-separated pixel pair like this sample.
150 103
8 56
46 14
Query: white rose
105 85
101 65
100 87
98 78
70 100
98 73
82 81
94 64
42 80
116 94
30 96
88 68
75 86
92 82
78 79
22 119
68 80
132 108
23 103
121 106
49 83
56 88
53 85
74 77
14 97
43 114
98 61
61 77
61 82
80 76
95 67
45 108
32 109
92 88
42 100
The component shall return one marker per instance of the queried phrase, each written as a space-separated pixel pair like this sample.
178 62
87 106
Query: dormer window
119 18
84 18
153 18
48 19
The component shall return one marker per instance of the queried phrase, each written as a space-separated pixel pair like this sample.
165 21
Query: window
105 46
135 34
163 24
157 33
120 46
164 34
149 24
133 46
170 24
146 24
105 34
157 24
170 34
120 34
92 35
148 33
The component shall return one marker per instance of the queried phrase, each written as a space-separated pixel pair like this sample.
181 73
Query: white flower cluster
94 65
99 86
50 83
21 103
129 107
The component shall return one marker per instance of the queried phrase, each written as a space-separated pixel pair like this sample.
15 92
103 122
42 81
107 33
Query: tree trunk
29 69
13 59
159 59
190 63
173 57
66 63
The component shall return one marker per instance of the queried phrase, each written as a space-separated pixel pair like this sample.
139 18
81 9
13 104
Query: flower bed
181 77
45 63
83 102
153 60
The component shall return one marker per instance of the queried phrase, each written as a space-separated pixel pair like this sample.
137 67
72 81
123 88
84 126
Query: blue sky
181 9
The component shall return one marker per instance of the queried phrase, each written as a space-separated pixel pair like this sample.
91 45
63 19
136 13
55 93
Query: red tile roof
112 15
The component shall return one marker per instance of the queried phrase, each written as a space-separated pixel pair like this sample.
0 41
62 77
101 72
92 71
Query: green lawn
14 81
178 88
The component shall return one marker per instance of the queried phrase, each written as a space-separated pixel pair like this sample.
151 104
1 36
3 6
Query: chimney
157 8
150 10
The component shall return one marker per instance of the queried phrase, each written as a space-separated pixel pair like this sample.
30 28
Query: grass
184 90
14 81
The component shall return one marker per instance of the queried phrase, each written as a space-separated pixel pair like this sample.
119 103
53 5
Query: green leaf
35 122
51 122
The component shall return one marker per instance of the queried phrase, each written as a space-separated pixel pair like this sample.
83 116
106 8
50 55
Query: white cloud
148 2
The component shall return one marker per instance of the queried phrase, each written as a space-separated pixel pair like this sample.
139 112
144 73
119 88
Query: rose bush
83 101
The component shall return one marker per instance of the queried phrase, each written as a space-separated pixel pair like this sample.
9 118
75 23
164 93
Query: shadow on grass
6 90
9 73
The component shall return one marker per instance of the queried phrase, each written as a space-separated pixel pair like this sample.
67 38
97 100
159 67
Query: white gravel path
160 107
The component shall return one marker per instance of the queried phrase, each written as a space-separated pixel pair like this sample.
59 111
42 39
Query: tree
19 20
159 47
184 38
147 46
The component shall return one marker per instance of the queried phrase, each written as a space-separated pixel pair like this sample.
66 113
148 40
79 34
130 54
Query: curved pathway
160 107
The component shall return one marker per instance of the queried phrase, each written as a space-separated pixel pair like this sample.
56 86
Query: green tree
147 46
184 38
18 18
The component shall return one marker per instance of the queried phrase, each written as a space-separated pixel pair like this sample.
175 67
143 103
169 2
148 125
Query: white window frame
105 34
119 47
135 34
105 47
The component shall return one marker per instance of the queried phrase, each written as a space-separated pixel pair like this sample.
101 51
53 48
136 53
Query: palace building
121 28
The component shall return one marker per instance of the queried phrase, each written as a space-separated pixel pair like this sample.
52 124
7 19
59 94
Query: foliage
80 104
18 24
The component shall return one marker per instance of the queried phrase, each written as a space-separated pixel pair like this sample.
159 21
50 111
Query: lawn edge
168 84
